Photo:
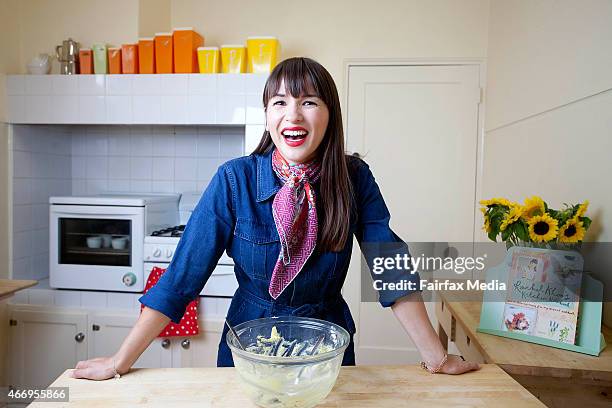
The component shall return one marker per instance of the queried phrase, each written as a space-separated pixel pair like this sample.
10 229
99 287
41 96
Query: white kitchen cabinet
43 344
199 351
45 341
107 332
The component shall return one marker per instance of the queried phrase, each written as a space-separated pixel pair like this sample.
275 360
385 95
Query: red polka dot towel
188 326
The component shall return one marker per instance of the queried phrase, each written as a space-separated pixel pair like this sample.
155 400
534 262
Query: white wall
333 31
549 104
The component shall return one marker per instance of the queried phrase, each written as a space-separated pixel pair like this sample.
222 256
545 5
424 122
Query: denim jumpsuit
235 214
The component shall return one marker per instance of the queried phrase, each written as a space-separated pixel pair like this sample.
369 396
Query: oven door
96 247
222 282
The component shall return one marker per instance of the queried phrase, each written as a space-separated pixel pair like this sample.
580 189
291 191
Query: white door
45 344
417 128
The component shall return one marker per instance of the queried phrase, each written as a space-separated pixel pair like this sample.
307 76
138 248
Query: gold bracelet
438 368
116 374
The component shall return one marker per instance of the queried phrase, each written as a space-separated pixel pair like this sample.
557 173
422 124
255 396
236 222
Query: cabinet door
199 351
44 344
107 332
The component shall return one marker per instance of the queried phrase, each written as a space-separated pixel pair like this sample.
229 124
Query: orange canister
114 60
186 42
85 61
163 53
146 55
129 58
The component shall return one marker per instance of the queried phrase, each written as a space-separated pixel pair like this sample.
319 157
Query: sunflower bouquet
534 222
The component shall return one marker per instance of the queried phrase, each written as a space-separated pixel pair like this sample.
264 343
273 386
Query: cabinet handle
165 343
185 344
79 337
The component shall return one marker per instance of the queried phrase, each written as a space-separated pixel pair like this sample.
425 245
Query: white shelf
172 99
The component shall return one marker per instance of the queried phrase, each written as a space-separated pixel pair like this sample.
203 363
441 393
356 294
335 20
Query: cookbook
543 296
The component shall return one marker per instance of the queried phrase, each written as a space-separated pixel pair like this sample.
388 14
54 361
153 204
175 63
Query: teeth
295 133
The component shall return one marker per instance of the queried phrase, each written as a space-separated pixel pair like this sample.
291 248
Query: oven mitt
188 326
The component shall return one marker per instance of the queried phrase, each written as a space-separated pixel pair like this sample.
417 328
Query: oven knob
129 279
157 252
168 253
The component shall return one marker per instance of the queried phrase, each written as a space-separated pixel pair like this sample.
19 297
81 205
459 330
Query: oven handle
88 213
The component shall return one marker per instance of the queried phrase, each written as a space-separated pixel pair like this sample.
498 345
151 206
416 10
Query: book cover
543 294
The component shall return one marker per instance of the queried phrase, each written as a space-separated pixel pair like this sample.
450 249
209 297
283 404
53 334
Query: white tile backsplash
41 297
163 169
64 85
120 300
91 84
94 300
97 167
141 186
176 84
89 159
141 168
118 168
186 145
67 298
185 168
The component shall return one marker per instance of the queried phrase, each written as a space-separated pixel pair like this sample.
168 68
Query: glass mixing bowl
298 381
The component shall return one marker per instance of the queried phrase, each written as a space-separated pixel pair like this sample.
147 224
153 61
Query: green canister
99 58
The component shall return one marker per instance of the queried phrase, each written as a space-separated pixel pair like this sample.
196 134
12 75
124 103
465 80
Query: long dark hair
303 76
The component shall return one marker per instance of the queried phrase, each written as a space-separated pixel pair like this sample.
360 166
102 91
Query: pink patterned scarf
296 222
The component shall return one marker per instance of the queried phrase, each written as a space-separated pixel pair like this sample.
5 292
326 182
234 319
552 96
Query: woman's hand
456 365
100 368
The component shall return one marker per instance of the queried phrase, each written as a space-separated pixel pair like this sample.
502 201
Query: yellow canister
262 54
233 59
209 60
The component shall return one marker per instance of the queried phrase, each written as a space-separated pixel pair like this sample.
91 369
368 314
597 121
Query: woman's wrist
434 356
435 367
120 364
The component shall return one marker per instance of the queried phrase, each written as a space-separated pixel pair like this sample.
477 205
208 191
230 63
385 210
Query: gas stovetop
176 231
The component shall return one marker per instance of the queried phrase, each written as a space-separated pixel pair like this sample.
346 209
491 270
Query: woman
286 214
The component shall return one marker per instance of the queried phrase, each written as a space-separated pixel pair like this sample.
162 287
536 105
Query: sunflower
533 206
582 209
487 224
543 228
516 211
495 201
572 231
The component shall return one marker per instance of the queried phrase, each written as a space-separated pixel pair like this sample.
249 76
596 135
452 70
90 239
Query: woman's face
297 125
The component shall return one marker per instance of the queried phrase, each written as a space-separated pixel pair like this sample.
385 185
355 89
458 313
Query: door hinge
12 322
481 96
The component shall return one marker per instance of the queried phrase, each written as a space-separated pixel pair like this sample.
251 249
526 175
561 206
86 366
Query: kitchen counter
558 377
362 386
8 287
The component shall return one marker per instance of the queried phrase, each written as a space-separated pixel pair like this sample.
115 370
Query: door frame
351 293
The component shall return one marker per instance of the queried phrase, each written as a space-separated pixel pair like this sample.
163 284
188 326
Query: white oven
97 242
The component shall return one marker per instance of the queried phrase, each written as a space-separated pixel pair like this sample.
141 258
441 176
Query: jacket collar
267 182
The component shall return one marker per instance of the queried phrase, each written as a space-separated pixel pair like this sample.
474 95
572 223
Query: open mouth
294 136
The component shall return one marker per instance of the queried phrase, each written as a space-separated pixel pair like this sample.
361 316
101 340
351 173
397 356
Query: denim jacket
235 214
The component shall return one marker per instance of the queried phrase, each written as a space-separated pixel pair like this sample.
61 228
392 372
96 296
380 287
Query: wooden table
8 287
557 377
363 386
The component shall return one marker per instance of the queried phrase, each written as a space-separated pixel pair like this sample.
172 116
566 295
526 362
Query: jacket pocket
258 246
